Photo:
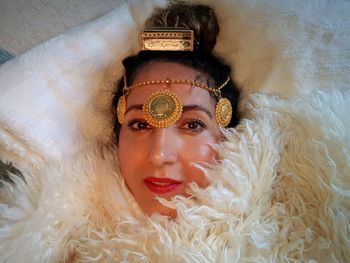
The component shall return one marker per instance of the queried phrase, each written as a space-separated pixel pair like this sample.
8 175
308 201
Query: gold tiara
216 91
164 107
167 39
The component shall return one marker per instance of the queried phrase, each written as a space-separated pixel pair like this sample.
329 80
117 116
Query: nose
163 148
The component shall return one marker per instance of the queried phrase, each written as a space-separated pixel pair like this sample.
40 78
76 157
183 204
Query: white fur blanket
281 193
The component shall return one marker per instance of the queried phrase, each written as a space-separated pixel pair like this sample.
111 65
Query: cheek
199 152
127 154
199 147
131 162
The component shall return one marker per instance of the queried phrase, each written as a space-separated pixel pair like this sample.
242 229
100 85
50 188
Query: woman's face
159 161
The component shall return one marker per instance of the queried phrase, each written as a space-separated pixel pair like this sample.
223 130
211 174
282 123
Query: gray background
26 23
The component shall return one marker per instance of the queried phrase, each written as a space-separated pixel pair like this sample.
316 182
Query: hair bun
199 18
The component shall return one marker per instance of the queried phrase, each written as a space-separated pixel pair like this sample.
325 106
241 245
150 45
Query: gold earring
223 112
121 109
162 108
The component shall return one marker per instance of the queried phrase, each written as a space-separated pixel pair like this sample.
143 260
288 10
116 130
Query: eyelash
187 122
194 121
138 122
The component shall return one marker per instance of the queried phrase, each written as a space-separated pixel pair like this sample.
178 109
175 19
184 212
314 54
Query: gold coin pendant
162 108
223 112
121 109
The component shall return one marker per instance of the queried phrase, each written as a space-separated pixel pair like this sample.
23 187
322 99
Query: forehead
172 71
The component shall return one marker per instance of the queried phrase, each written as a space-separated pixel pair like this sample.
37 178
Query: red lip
161 185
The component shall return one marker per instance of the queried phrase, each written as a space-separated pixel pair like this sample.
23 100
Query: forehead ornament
163 108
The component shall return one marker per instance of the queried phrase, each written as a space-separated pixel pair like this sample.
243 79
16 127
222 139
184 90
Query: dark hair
201 19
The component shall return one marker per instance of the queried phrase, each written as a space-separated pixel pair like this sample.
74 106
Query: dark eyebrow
197 107
134 107
185 108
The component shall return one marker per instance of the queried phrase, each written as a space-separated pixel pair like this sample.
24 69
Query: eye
138 125
194 125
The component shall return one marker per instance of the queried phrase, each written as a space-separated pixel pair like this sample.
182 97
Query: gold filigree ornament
121 109
167 39
223 112
162 108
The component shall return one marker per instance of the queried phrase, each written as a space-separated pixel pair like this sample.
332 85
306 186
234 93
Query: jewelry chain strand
216 91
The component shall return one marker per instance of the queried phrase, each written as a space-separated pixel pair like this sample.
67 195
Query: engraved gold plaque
121 109
162 108
173 40
223 112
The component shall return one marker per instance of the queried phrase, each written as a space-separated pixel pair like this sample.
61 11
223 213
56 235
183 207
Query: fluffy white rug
281 193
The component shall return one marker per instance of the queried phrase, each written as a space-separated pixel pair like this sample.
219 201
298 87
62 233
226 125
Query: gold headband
215 91
163 108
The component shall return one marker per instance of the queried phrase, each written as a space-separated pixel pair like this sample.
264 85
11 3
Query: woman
158 160
273 189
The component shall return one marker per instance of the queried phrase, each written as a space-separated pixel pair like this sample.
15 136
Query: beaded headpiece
163 107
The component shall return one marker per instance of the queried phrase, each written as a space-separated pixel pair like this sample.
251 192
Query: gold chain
216 91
